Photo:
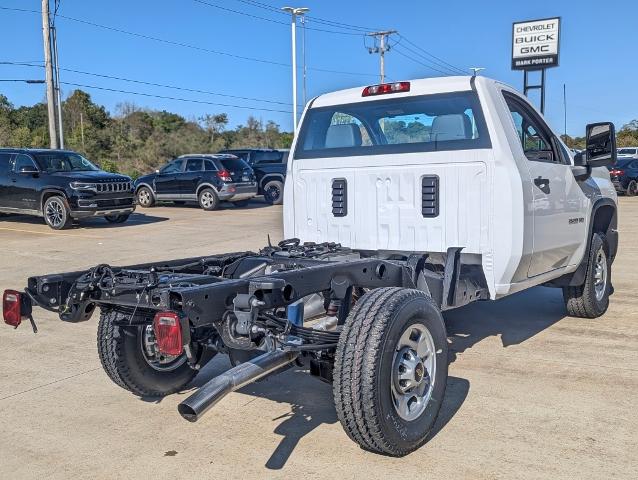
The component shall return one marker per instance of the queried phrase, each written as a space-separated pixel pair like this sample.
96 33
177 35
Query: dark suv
61 186
624 175
270 167
207 179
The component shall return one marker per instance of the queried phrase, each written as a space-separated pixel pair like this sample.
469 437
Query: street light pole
294 12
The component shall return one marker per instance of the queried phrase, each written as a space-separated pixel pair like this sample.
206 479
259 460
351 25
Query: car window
52 162
234 164
267 157
209 166
243 155
22 161
534 135
173 167
194 165
5 163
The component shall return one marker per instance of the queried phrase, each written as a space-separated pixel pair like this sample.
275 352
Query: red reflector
11 307
168 333
224 176
384 88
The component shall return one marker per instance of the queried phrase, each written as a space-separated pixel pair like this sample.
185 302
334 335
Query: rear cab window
424 123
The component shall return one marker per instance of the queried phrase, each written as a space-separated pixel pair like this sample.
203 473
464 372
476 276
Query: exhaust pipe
212 392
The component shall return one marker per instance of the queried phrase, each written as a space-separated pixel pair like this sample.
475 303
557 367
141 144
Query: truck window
450 121
534 135
267 157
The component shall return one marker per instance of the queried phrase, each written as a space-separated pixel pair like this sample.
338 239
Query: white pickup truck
402 200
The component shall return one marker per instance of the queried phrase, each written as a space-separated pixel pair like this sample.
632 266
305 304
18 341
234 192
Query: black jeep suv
207 179
61 186
270 168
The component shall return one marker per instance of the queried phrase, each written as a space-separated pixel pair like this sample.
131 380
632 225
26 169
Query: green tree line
627 136
134 140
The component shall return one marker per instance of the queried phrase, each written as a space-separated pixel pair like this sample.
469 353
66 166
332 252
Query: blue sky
598 60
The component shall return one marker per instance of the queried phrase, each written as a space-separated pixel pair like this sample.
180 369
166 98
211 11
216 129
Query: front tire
56 212
591 299
390 370
125 356
208 199
632 189
274 192
145 198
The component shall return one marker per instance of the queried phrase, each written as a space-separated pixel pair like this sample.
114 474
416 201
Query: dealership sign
535 44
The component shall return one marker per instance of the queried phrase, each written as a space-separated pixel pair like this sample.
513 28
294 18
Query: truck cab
424 165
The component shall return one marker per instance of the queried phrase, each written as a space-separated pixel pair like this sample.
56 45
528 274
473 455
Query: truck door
559 223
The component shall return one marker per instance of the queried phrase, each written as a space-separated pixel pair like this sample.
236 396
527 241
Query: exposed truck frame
368 320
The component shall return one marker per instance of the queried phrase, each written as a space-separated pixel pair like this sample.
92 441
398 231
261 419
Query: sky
199 45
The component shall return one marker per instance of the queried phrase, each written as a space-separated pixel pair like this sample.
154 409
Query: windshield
451 121
63 162
626 151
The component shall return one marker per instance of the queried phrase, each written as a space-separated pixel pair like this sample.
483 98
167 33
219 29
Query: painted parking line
47 233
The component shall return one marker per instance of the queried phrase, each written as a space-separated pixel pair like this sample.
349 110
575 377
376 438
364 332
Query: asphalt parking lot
532 393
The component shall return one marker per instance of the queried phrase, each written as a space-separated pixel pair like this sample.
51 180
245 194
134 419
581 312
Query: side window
22 161
209 166
267 157
194 165
534 136
5 164
173 167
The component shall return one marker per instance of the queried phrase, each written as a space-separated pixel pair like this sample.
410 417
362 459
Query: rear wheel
56 212
632 188
390 370
591 299
145 197
208 199
130 358
274 192
117 218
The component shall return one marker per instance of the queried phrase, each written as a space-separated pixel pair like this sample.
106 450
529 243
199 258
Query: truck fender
271 176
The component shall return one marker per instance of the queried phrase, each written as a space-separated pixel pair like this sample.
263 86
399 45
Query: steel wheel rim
600 274
633 188
55 213
207 199
156 360
413 372
144 197
273 192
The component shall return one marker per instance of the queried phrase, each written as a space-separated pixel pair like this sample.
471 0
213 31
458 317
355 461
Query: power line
432 55
419 62
166 97
143 82
426 62
187 45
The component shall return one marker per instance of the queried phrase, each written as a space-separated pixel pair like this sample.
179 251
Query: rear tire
274 192
208 199
632 189
145 198
117 218
121 352
56 212
591 299
378 407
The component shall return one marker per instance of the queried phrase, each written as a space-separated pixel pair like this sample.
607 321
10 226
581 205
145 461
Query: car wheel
632 188
56 212
274 192
145 197
208 199
117 218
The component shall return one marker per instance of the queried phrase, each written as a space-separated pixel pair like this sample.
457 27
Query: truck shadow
98 223
513 319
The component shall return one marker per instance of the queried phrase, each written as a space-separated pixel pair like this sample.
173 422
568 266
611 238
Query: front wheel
591 299
56 212
117 218
130 358
390 370
145 197
632 188
274 192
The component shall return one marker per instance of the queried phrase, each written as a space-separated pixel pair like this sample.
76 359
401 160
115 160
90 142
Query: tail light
617 173
224 176
168 333
12 307
384 88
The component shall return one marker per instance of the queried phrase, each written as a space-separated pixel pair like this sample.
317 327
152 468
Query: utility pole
54 38
381 48
46 36
294 12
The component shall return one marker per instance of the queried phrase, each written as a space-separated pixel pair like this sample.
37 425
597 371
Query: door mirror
28 170
601 144
157 170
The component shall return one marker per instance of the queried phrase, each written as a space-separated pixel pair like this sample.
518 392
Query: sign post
535 46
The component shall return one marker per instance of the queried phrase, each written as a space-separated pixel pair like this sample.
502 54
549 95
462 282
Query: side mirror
28 170
601 144
157 170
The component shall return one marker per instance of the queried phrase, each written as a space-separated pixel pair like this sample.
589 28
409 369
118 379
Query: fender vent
430 196
339 197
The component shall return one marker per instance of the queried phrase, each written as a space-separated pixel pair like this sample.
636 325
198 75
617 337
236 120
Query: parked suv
61 186
628 152
207 179
624 175
270 168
